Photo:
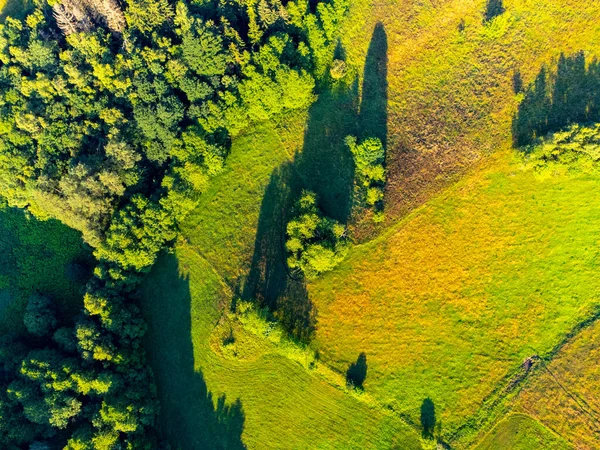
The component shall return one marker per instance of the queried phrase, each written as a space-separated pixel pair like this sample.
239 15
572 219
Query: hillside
446 300
171 164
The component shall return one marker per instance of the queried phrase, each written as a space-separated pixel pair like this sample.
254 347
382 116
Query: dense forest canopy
113 120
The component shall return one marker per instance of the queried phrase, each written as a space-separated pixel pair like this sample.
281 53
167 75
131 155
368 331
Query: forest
298 224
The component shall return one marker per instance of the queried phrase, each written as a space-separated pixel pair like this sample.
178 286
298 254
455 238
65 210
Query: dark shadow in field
556 100
357 372
325 166
188 417
493 8
373 107
428 418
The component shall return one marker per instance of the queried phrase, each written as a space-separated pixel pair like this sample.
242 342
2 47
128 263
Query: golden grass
566 397
450 301
450 94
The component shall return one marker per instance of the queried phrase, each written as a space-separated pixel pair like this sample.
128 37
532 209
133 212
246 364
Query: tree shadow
493 8
374 100
558 99
326 167
189 417
428 419
357 372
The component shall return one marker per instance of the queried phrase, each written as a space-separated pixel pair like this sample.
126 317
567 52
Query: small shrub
338 69
370 174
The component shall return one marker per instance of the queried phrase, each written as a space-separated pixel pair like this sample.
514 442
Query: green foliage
338 69
147 15
573 151
115 130
370 175
315 243
39 317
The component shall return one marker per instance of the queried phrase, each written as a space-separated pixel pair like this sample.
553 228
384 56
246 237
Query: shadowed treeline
189 419
325 166
556 100
428 419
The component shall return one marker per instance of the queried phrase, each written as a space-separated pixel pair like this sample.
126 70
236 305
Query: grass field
449 96
446 304
521 432
39 256
281 404
565 395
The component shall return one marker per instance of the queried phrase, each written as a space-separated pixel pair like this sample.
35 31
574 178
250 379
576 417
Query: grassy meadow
521 432
39 256
447 97
446 299
452 300
565 394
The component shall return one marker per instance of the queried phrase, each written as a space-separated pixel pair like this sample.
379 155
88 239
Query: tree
315 243
40 319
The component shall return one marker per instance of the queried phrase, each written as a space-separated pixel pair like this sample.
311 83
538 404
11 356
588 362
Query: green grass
451 301
521 432
445 304
281 404
265 400
36 256
450 98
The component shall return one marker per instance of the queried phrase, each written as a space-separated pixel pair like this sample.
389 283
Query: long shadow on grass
556 100
188 418
324 166
374 101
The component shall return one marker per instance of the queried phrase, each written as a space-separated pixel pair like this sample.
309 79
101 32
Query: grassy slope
450 98
566 396
282 405
448 101
446 304
34 256
521 432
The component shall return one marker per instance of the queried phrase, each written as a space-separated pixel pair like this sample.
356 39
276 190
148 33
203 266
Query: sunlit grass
566 396
521 432
450 92
446 304
285 405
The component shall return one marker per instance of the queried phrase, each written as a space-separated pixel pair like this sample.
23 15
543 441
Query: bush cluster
315 243
369 156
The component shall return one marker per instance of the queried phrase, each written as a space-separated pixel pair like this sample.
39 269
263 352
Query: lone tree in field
493 8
